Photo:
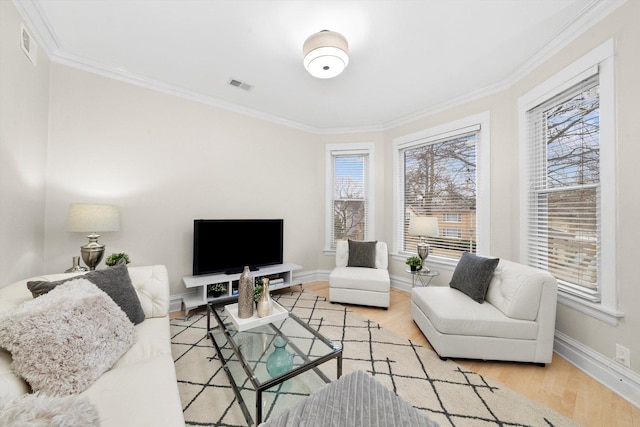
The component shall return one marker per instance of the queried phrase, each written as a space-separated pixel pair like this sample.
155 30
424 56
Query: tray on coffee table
278 312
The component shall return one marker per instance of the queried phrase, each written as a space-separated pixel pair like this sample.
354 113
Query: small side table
421 275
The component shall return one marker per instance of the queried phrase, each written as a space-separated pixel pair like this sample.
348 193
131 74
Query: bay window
568 182
349 194
443 172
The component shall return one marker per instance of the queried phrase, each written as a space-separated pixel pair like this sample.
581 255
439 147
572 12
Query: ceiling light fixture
326 54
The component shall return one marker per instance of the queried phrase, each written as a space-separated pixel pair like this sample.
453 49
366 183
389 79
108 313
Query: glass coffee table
244 357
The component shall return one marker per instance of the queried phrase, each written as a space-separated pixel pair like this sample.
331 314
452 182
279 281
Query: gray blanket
355 400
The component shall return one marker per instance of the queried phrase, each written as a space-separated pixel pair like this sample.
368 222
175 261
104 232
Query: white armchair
360 285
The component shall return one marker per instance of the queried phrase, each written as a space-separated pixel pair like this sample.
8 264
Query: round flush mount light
326 54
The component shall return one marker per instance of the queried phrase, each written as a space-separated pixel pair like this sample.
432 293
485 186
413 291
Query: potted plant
114 259
217 289
414 262
257 293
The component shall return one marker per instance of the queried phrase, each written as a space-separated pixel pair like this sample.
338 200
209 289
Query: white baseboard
175 302
613 375
312 276
401 283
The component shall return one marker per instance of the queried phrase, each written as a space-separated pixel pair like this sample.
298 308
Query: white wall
623 26
505 216
166 161
24 99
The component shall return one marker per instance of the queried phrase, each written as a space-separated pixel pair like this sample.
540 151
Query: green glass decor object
280 361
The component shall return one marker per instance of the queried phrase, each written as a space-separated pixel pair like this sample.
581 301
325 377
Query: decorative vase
280 361
264 304
245 294
76 267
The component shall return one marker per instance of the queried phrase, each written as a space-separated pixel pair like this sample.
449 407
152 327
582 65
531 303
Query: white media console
201 297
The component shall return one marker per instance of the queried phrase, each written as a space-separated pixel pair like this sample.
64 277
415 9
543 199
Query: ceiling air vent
241 85
29 46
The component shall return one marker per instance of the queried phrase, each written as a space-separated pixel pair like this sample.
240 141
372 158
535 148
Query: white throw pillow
63 341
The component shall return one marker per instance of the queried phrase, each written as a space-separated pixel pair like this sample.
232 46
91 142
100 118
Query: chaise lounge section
516 322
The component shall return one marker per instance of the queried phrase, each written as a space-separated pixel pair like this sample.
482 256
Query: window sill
598 311
432 260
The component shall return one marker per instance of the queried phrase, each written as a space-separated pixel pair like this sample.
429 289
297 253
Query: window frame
598 61
483 181
446 217
354 148
447 232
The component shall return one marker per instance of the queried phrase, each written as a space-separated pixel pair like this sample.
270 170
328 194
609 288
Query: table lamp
90 218
423 226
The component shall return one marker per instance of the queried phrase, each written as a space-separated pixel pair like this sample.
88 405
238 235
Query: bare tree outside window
565 189
573 154
349 202
440 179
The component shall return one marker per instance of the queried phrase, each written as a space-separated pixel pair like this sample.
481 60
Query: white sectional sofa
516 322
140 389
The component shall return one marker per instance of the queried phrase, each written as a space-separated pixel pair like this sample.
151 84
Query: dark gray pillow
473 274
362 254
114 281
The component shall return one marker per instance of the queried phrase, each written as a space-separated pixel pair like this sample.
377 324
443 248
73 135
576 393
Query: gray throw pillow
114 281
362 254
473 274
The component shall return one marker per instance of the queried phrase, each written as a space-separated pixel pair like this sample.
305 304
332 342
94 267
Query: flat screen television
227 245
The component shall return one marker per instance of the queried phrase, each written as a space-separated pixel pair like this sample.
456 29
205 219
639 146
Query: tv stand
238 270
201 283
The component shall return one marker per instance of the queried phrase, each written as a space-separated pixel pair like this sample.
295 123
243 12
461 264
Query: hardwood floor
559 386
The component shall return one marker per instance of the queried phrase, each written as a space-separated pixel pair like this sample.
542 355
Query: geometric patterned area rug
442 390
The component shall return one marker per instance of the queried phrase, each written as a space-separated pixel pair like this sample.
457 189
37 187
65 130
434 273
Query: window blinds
438 178
350 210
564 188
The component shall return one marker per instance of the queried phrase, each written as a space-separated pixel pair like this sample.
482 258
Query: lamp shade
92 218
423 226
326 54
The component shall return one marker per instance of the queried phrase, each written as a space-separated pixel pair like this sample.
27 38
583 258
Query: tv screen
227 245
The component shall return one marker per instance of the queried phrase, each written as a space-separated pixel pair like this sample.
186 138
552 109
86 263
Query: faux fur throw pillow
63 341
34 410
115 281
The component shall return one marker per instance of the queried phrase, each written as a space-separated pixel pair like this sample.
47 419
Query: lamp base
423 253
92 252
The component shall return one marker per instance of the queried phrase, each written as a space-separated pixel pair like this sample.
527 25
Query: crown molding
39 27
163 87
592 13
